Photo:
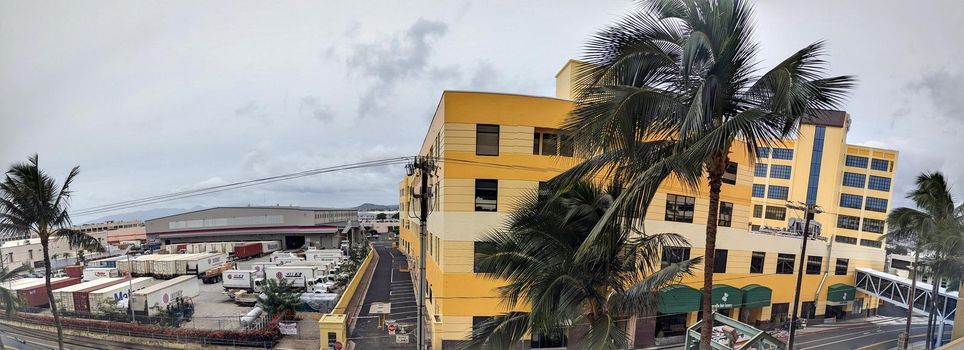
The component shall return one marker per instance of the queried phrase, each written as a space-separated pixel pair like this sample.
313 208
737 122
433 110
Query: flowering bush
269 333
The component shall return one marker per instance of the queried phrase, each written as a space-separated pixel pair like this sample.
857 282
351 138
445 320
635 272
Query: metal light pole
130 287
425 167
808 212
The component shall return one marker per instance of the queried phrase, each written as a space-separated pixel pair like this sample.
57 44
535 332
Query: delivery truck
107 298
260 266
35 294
200 264
268 247
147 301
302 277
246 280
317 254
65 296
92 273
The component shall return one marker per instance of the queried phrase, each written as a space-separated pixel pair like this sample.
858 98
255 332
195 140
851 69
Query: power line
235 185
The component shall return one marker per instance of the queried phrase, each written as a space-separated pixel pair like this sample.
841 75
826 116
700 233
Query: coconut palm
591 295
279 297
934 228
673 87
33 204
8 298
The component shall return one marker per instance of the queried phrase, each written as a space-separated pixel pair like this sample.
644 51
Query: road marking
857 337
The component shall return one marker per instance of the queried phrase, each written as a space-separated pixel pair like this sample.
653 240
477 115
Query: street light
130 287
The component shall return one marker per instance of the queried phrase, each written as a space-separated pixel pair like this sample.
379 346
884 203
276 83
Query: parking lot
213 309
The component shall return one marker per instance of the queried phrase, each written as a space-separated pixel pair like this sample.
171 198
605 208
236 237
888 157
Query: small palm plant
279 297
8 298
592 295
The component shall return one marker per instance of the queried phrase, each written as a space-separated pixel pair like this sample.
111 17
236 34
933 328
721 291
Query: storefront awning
840 292
679 299
755 295
725 297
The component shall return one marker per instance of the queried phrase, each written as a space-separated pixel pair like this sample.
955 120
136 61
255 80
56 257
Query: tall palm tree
934 227
8 298
670 90
591 295
33 204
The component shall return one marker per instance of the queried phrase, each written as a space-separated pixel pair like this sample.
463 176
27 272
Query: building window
760 170
778 192
879 183
854 180
876 204
672 255
479 320
756 262
873 225
726 214
779 313
816 160
813 265
848 222
30 253
551 144
776 213
758 211
755 228
679 208
486 194
880 164
870 243
763 152
780 171
782 153
856 161
851 201
719 261
480 248
758 190
729 174
845 239
785 264
486 140
842 265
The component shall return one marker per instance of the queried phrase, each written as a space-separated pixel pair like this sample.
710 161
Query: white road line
852 338
847 334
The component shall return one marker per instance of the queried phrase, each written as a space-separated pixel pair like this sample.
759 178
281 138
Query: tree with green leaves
591 296
934 229
8 298
672 89
33 204
278 297
381 216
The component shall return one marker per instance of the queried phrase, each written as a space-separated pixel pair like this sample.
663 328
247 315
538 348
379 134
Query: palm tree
672 88
31 203
593 295
8 298
934 227
279 297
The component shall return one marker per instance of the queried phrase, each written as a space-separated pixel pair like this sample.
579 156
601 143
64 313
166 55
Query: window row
864 242
854 201
853 223
785 262
776 171
680 208
771 212
878 183
543 142
776 153
774 191
875 164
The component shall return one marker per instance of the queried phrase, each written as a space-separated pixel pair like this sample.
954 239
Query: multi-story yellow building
493 147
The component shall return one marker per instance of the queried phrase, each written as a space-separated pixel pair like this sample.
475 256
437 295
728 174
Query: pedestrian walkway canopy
679 299
755 295
730 334
841 293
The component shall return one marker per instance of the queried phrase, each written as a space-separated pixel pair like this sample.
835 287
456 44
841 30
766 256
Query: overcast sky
156 97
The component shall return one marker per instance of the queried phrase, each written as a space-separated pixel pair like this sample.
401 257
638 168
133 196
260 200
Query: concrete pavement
388 285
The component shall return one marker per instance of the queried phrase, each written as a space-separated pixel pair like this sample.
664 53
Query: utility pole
424 167
808 212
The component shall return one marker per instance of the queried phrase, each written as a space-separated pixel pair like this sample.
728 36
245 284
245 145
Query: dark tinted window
880 164
848 222
719 261
487 140
785 264
758 211
486 195
672 255
857 162
845 239
679 208
873 225
756 262
813 265
726 214
776 213
842 265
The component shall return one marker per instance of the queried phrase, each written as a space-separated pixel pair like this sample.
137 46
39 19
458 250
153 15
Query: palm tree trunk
910 295
50 294
716 181
932 315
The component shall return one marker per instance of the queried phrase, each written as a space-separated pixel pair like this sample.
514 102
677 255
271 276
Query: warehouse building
295 226
499 146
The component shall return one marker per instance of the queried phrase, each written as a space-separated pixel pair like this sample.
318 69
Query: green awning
755 295
725 296
678 299
841 293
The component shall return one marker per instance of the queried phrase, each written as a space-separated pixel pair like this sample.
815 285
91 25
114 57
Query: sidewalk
388 285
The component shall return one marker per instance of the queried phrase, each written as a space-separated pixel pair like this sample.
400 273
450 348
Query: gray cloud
311 106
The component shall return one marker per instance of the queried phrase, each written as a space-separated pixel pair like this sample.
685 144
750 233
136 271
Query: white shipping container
165 266
260 266
117 293
238 279
183 262
92 273
164 293
270 246
142 265
208 262
227 247
65 296
298 276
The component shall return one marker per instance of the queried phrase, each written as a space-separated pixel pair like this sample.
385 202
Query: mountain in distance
376 207
143 215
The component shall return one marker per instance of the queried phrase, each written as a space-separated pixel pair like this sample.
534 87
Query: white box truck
206 262
317 254
268 247
164 293
260 266
116 295
302 277
92 273
246 280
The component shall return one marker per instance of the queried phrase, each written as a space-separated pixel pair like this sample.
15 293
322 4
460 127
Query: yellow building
494 147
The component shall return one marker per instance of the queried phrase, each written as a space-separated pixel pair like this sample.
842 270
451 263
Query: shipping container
35 294
247 250
106 262
260 266
268 247
164 293
82 304
65 295
317 254
74 270
99 300
165 267
298 276
239 279
206 262
92 273
12 284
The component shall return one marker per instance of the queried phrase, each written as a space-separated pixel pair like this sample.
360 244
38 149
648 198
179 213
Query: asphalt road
861 336
388 285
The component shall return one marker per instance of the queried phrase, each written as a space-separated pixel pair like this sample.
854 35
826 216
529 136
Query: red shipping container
247 250
74 270
37 295
81 300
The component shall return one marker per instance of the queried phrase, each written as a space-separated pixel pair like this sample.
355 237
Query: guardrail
334 325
